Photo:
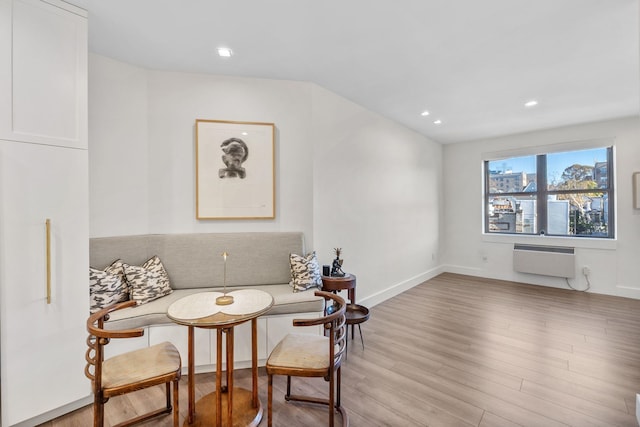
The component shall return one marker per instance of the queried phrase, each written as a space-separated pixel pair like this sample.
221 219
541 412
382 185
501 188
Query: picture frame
636 190
235 170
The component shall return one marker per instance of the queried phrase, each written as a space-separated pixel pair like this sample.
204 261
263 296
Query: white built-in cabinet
43 176
43 73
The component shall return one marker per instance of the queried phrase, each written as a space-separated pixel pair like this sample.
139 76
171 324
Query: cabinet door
43 73
42 344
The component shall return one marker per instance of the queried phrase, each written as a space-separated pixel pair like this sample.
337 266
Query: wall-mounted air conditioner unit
557 261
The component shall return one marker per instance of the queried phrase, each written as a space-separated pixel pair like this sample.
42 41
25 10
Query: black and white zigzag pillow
148 281
108 286
305 272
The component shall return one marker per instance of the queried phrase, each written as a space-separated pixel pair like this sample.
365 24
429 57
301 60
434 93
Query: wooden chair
307 355
135 370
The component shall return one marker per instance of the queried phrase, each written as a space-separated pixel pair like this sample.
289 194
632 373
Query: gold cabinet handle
48 227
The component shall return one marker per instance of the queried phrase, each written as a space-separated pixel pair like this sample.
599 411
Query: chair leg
288 388
270 401
98 411
339 408
339 382
176 403
331 397
167 393
346 347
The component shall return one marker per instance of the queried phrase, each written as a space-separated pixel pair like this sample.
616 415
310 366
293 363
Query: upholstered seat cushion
155 312
301 351
138 365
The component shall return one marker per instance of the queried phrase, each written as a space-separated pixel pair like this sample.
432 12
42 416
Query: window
560 194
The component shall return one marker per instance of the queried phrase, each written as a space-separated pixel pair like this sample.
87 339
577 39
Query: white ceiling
471 63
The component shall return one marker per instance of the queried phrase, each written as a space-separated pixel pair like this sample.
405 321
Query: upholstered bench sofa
194 263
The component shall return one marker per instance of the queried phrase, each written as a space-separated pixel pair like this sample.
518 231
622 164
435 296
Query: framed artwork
235 173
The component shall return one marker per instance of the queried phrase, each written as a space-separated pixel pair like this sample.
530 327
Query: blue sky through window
556 162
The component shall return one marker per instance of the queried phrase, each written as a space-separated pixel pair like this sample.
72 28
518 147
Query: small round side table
355 313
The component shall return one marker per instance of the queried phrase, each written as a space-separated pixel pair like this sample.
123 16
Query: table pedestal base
244 414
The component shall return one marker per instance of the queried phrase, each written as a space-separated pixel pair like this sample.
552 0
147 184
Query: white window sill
575 242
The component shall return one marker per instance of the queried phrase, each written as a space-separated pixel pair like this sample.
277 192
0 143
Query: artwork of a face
235 152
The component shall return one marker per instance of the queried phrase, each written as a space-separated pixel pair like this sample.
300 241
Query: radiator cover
556 261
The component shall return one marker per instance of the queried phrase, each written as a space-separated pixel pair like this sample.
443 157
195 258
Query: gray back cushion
195 260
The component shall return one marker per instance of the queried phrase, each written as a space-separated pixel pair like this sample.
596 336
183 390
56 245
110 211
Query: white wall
377 194
118 146
467 251
177 99
344 176
142 141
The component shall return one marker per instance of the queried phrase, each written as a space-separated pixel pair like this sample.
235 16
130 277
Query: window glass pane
512 175
578 214
510 214
581 169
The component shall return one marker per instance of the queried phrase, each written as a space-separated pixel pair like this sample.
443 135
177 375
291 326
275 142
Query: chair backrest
334 324
99 337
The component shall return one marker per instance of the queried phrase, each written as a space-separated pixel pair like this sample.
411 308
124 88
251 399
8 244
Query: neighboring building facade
508 182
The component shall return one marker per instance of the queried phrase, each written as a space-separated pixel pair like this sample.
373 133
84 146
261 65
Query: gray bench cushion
285 301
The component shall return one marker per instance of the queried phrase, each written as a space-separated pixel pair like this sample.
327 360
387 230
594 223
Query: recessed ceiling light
437 122
531 103
225 52
244 134
424 113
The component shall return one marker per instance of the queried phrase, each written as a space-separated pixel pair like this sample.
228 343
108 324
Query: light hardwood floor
464 351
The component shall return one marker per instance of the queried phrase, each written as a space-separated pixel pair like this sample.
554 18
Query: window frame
542 192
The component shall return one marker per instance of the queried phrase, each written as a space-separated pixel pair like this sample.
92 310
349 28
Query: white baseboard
628 291
398 288
460 269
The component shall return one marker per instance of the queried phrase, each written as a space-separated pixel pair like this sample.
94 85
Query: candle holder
224 299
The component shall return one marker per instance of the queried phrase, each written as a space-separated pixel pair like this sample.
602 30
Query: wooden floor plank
492 420
595 410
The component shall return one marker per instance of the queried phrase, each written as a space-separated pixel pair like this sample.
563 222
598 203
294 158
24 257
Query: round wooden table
201 311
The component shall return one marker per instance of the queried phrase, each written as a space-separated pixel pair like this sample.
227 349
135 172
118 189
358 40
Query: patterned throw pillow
108 286
305 272
147 282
